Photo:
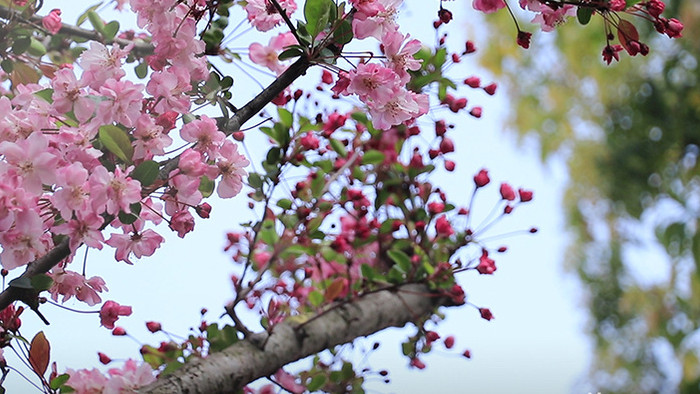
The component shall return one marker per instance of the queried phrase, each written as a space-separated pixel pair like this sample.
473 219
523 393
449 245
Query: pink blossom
100 64
182 223
488 6
31 160
140 244
191 163
231 166
71 284
83 230
113 192
86 381
443 226
129 378
204 133
110 312
399 55
288 382
169 87
150 139
121 103
183 191
263 15
267 55
52 21
400 108
374 82
487 266
24 242
68 95
376 24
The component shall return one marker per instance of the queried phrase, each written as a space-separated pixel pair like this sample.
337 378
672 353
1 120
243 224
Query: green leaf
117 141
401 259
45 95
36 48
268 233
206 186
317 14
58 381
316 298
286 117
255 181
373 157
7 65
84 15
368 272
584 15
141 70
316 382
110 31
284 203
96 21
343 33
20 45
290 53
126 218
339 147
41 282
146 172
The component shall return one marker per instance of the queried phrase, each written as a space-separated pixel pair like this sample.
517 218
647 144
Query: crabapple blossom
110 312
52 21
263 15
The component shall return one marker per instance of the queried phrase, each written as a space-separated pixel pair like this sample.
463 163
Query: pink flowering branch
262 354
139 48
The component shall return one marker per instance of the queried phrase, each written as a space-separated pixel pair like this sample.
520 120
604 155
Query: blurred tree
631 139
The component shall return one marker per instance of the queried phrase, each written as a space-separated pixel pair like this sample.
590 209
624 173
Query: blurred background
603 298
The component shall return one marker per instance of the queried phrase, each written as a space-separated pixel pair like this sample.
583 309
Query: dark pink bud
475 112
450 165
447 146
525 195
507 192
486 313
415 362
490 89
449 342
473 82
104 359
119 331
153 326
482 178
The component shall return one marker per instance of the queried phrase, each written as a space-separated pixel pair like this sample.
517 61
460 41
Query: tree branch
262 354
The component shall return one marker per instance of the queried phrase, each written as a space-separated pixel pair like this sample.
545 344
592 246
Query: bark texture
262 354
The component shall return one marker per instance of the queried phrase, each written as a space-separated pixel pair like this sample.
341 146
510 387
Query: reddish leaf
626 32
335 289
39 353
22 74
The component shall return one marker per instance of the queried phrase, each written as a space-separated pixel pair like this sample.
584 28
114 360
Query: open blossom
374 82
24 242
85 229
31 160
376 24
263 15
182 223
399 55
267 55
110 312
113 192
231 166
169 87
100 64
205 133
121 103
71 284
68 95
149 138
488 6
141 244
548 17
402 107
52 21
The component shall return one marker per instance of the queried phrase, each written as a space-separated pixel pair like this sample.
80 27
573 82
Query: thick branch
262 354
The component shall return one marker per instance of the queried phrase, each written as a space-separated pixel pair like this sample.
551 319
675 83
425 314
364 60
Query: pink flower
153 326
121 103
182 222
309 141
399 58
31 160
169 86
86 381
488 6
263 15
52 21
231 166
113 192
84 229
267 55
288 382
374 82
376 24
110 312
443 227
100 64
150 138
204 133
486 265
71 284
140 244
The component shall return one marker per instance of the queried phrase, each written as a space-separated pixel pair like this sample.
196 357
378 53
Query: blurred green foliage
630 134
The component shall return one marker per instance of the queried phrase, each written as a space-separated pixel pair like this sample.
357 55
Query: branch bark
262 354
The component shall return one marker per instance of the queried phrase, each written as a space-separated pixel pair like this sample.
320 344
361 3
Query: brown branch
245 361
